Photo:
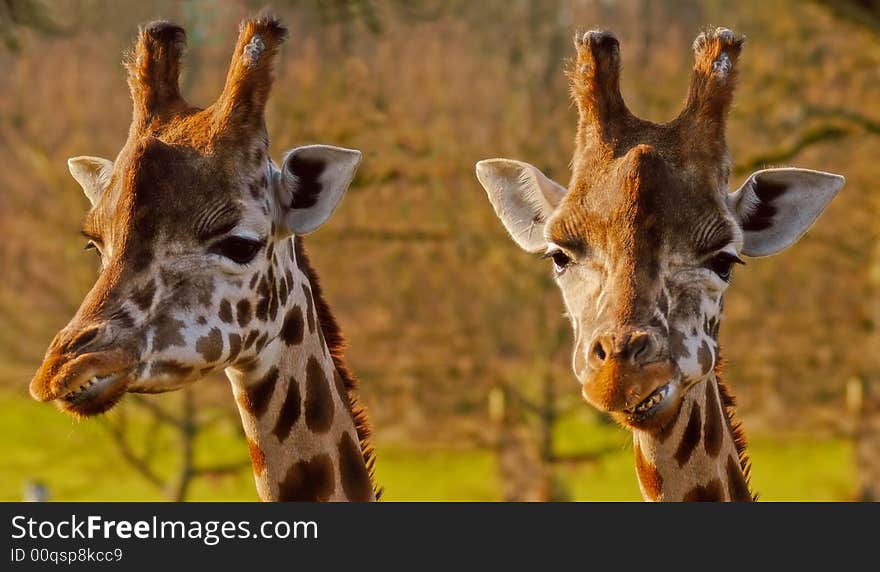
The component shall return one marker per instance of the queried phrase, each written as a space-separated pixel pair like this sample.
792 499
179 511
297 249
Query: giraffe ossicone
203 269
643 243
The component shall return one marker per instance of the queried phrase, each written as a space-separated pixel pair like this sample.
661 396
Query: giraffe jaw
95 394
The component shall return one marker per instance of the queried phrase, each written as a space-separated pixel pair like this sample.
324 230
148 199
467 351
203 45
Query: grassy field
77 462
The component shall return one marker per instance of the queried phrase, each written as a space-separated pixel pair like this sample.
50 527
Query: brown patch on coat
234 346
261 342
166 333
308 481
225 312
250 339
292 329
319 401
290 411
255 399
211 345
355 478
258 458
691 436
649 476
710 492
712 428
243 311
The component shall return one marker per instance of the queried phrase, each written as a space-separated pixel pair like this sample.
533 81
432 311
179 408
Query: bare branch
839 123
221 470
120 440
157 411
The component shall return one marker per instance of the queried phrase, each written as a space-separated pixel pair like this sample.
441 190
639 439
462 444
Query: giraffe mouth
652 405
95 394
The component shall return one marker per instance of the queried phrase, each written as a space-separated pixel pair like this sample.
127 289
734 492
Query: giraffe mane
728 404
336 344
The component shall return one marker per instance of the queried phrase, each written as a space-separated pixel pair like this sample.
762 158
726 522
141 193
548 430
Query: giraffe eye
238 249
560 260
722 264
92 245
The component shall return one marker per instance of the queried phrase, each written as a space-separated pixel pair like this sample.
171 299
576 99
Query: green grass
77 461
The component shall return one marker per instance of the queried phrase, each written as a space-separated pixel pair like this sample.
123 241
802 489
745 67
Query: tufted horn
153 71
713 80
595 87
240 107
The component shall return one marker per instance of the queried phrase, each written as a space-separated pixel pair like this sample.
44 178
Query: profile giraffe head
644 240
190 221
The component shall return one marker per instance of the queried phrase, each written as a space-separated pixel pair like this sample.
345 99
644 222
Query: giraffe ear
523 197
311 184
775 207
92 173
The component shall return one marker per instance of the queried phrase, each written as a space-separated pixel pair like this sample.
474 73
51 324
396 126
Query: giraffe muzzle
86 384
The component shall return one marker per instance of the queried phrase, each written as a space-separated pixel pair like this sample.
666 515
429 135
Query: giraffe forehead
643 206
177 192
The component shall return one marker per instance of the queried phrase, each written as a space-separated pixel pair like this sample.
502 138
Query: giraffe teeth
651 402
85 386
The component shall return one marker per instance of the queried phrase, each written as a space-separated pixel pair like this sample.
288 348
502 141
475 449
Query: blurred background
456 335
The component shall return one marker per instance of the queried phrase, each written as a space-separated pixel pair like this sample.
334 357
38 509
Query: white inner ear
92 173
523 198
313 180
780 205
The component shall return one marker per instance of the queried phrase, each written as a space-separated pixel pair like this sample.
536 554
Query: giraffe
203 268
643 242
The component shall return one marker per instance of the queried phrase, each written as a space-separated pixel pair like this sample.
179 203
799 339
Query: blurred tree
16 15
865 14
441 310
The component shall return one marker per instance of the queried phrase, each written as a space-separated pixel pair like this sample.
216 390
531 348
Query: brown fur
336 343
712 436
355 478
308 481
153 71
691 436
649 476
736 430
291 409
710 492
319 398
256 399
258 458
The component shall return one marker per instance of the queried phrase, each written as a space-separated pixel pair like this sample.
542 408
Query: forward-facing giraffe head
644 239
191 222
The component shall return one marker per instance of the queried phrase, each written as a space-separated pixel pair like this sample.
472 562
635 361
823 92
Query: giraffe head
644 240
191 222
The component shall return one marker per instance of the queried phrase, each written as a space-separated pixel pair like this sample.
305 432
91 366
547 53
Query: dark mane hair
336 344
728 404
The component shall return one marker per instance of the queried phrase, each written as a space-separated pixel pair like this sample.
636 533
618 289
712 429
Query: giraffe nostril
83 340
639 344
598 352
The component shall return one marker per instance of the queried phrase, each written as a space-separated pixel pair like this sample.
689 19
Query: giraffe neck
306 436
699 456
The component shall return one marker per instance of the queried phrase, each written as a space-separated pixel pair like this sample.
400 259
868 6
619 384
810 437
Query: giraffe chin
96 395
